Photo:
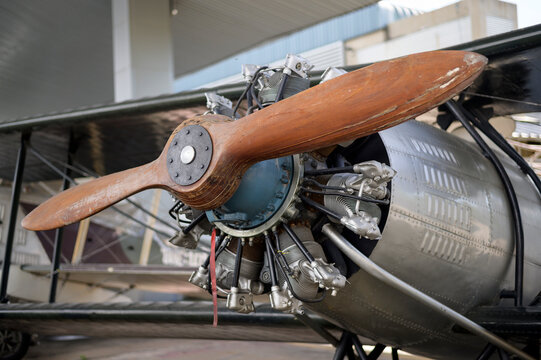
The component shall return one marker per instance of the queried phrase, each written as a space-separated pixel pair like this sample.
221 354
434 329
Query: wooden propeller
356 104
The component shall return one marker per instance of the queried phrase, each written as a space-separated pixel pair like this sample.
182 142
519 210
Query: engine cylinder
344 205
302 285
248 272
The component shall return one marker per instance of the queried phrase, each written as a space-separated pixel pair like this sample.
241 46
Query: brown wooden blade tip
89 198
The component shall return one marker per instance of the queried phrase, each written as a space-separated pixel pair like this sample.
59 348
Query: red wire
213 276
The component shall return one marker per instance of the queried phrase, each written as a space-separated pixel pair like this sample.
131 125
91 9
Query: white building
461 22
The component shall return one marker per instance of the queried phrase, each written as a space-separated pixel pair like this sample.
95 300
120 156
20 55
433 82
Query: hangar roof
57 54
207 31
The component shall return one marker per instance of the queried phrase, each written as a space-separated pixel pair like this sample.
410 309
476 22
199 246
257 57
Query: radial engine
266 243
424 204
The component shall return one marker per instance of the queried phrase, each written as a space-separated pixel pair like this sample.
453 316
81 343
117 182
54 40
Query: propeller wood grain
353 105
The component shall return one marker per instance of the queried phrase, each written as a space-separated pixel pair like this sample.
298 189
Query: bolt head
187 155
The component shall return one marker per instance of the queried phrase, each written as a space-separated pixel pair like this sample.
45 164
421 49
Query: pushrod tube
194 222
270 260
381 274
298 242
238 259
329 171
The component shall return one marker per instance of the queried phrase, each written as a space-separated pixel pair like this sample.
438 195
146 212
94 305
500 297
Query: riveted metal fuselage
449 234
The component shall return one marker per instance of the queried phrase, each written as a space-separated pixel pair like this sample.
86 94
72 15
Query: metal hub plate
189 155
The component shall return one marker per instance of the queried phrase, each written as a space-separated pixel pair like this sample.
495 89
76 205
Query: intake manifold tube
381 274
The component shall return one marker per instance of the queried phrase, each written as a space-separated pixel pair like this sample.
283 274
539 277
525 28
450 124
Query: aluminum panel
448 234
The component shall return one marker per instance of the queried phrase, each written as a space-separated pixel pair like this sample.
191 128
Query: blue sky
528 11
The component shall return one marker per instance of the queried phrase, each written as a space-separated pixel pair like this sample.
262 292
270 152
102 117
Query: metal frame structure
14 207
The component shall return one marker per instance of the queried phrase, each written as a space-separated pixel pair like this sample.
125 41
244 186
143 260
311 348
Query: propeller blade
356 104
350 106
90 198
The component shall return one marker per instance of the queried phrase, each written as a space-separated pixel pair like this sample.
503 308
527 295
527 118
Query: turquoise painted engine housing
261 192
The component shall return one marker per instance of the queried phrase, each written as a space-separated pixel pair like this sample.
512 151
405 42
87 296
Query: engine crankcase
265 196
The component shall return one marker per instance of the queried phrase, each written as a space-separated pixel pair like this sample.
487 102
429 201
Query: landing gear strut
348 341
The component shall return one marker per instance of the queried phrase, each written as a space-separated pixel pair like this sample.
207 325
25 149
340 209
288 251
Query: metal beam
57 253
14 208
147 105
149 233
80 241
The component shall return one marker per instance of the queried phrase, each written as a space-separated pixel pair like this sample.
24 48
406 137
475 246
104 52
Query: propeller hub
189 154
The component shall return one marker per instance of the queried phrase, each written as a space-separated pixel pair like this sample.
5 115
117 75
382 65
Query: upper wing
104 139
510 82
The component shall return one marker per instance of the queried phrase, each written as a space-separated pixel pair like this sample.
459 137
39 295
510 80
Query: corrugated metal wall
318 36
321 57
208 31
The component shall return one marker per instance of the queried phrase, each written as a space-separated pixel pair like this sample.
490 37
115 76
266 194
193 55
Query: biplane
360 224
